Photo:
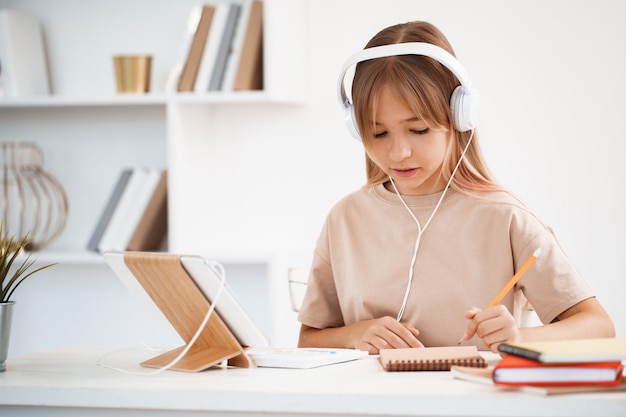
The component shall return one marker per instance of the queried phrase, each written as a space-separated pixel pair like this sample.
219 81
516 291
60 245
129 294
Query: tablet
203 274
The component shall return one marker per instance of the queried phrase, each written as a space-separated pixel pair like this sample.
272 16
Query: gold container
132 73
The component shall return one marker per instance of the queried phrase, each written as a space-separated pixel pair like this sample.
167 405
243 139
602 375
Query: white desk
68 382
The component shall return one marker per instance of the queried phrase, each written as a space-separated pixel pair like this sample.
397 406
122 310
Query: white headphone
464 101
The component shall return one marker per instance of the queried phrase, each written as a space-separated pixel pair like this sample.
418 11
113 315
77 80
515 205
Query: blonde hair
426 86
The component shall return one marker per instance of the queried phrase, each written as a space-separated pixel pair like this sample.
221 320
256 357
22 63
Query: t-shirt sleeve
552 284
320 307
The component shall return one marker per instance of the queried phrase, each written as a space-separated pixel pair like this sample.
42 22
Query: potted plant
10 278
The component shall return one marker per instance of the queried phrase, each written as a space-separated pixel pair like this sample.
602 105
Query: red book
516 370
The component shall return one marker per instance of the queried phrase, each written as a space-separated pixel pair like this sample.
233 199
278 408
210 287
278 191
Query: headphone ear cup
351 123
464 106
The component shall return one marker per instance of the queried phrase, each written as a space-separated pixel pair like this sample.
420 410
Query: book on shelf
192 64
123 206
23 64
130 209
216 82
152 226
570 351
517 370
211 47
107 213
430 358
133 216
483 376
173 77
236 46
249 67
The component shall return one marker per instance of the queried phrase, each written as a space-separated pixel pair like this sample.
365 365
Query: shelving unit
283 71
88 134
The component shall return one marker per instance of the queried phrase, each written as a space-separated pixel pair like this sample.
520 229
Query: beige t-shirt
469 251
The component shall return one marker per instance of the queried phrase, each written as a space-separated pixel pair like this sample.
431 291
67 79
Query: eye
420 131
380 134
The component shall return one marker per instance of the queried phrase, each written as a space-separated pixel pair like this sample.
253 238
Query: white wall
551 76
551 79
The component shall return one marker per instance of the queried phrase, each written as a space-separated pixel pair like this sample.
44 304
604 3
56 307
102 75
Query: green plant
10 248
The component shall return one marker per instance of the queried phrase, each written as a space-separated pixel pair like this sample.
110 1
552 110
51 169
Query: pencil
515 278
520 272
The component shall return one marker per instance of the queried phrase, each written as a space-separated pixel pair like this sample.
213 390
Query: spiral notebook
431 358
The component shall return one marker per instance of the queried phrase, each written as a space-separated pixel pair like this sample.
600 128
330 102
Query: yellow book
570 351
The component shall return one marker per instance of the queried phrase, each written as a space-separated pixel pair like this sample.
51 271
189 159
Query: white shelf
86 257
248 97
63 257
65 101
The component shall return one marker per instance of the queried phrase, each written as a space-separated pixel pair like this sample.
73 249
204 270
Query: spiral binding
434 365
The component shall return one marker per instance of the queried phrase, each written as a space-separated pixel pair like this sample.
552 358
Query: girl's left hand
493 325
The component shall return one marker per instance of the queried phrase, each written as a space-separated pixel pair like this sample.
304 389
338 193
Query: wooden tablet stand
169 285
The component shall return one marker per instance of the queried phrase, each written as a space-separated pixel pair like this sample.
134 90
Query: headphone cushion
351 123
464 105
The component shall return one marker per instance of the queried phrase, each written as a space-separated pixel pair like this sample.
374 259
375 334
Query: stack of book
562 366
135 216
222 49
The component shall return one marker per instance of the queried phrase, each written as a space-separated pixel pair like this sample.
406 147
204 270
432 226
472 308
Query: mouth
405 173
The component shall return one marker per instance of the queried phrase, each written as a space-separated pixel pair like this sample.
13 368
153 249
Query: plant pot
6 314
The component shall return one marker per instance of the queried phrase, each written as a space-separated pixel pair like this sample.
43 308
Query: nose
399 148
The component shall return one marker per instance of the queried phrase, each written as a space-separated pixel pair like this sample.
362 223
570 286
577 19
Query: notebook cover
517 370
569 351
483 376
430 358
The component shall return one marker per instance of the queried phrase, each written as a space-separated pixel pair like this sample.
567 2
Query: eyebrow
410 119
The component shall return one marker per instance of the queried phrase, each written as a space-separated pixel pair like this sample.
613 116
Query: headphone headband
409 48
464 101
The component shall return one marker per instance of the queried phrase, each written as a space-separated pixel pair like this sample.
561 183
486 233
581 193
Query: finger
388 333
471 312
398 337
401 338
493 320
497 329
361 345
470 330
415 333
395 334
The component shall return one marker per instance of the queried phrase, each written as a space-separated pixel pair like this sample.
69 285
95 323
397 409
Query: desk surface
70 381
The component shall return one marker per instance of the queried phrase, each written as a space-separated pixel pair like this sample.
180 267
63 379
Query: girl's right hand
384 333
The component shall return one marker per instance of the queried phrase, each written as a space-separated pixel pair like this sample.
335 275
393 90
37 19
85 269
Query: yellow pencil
515 278
520 272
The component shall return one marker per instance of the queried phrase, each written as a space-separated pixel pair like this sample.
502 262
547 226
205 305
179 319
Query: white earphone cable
421 230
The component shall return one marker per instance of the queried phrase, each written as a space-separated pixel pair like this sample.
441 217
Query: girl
409 259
